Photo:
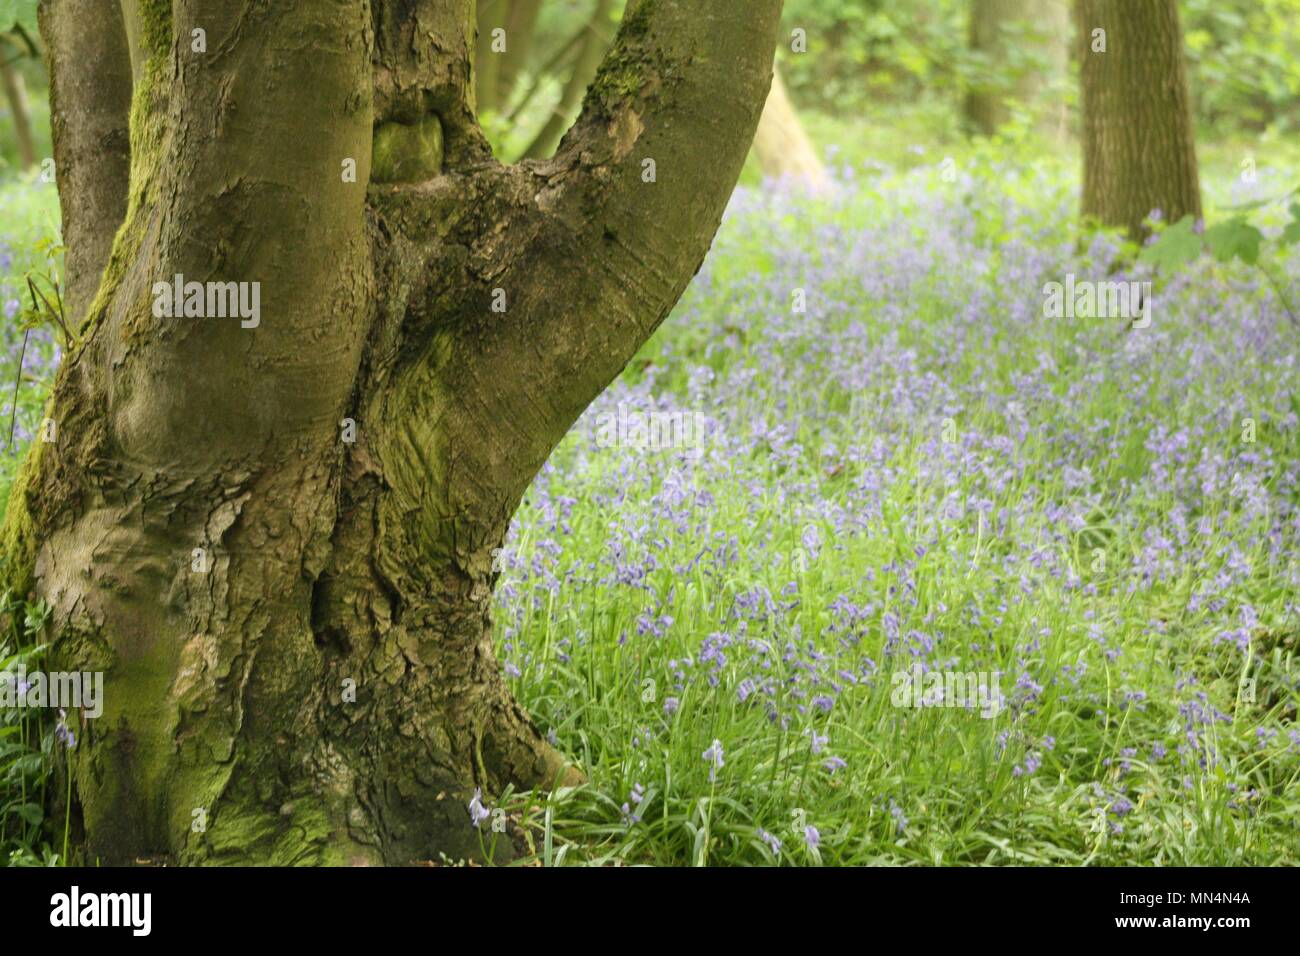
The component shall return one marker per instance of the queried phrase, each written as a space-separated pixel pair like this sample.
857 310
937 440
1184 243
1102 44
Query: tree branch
596 250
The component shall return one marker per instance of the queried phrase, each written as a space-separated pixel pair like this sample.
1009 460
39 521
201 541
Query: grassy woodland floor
918 470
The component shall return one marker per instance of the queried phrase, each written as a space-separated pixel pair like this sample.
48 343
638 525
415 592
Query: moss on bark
404 153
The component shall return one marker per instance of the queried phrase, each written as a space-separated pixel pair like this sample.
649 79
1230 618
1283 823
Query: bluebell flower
477 812
63 732
714 756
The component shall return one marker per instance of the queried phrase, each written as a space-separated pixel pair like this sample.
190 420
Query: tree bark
781 145
1139 147
90 103
988 107
327 566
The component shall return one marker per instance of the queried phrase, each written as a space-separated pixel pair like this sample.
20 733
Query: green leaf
1234 238
1176 246
1291 234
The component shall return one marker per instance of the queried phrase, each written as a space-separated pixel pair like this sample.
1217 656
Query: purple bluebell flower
477 812
714 756
773 842
63 732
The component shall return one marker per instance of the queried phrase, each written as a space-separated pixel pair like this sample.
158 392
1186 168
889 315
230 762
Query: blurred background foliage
899 63
881 75
1244 57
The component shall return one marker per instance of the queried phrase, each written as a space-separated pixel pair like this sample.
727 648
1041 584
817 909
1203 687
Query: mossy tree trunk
292 615
1139 146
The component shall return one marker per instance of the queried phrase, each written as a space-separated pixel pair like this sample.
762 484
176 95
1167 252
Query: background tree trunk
489 15
520 26
1139 148
584 71
16 94
1038 28
276 541
781 145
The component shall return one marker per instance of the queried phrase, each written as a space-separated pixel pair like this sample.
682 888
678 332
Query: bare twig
18 380
55 314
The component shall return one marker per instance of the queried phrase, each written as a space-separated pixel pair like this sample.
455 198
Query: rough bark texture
1038 28
781 145
331 565
1139 148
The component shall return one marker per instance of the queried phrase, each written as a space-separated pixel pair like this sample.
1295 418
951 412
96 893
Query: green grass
30 227
1088 771
29 233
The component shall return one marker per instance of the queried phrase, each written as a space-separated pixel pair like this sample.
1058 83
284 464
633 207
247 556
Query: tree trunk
496 72
90 102
275 540
1000 28
782 146
489 15
584 70
1139 147
16 94
521 26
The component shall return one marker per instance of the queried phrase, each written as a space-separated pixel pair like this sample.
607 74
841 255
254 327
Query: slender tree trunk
1139 147
90 104
521 27
584 71
16 94
497 71
490 15
275 541
1038 28
781 145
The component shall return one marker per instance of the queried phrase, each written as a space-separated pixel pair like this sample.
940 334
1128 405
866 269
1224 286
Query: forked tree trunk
781 145
292 617
1139 146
